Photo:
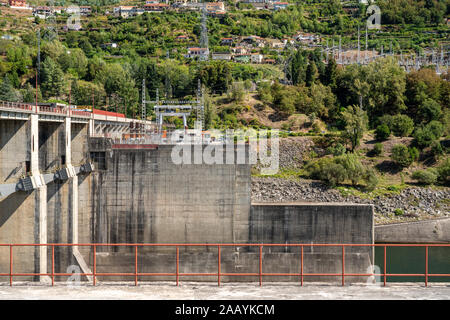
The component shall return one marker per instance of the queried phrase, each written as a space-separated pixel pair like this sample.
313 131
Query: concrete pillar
91 129
68 142
41 195
34 121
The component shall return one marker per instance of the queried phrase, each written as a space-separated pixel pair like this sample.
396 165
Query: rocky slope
416 203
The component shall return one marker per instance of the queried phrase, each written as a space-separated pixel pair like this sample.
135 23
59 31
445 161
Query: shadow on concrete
9 132
10 204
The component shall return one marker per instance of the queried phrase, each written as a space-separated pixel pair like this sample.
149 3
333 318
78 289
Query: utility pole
143 107
359 47
38 53
367 45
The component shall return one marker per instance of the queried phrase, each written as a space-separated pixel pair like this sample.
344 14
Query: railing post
385 265
135 266
218 266
95 264
301 267
53 265
260 265
10 265
343 266
178 264
426 266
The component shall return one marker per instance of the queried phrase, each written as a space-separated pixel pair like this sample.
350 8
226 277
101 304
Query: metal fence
259 275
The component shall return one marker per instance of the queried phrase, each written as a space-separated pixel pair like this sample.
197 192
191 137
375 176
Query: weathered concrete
141 196
241 291
427 231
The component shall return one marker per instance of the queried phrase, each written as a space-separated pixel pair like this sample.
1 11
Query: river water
412 260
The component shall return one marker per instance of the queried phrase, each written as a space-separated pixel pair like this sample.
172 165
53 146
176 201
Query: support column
41 196
73 189
91 128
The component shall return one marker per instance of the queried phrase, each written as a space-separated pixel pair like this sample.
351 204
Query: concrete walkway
207 291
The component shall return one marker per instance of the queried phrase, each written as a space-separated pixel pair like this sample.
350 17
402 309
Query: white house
197 52
221 56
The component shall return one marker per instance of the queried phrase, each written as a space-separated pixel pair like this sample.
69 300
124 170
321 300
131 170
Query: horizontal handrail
220 274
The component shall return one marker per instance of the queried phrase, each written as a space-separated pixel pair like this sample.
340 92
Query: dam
70 177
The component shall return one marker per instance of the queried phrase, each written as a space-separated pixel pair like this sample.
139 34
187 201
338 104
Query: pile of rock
415 203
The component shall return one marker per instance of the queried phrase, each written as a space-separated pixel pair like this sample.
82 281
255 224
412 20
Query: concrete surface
427 231
247 291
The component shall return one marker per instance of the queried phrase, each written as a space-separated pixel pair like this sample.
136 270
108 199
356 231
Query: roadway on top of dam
227 291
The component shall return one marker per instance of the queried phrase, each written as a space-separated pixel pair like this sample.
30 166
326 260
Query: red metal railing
16 105
260 274
81 113
48 109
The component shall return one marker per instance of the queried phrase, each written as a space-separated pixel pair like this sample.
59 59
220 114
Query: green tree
330 75
355 125
7 91
401 155
74 61
52 79
311 73
382 132
401 125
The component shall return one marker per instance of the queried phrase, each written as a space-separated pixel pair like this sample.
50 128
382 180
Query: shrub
339 169
436 128
436 149
401 155
425 176
426 135
337 150
398 212
382 132
377 149
371 179
334 173
444 171
414 153
402 125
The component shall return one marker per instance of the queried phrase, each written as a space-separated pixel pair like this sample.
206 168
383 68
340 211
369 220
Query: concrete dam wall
141 196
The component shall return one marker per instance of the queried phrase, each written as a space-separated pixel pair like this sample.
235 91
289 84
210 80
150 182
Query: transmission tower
200 110
204 43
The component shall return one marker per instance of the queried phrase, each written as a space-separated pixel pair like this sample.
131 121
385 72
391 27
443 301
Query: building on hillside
182 38
276 44
43 12
85 10
254 41
7 37
221 56
239 50
269 61
307 38
196 52
226 41
17 3
215 7
256 58
280 5
127 11
59 9
156 7
112 45
287 41
194 6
